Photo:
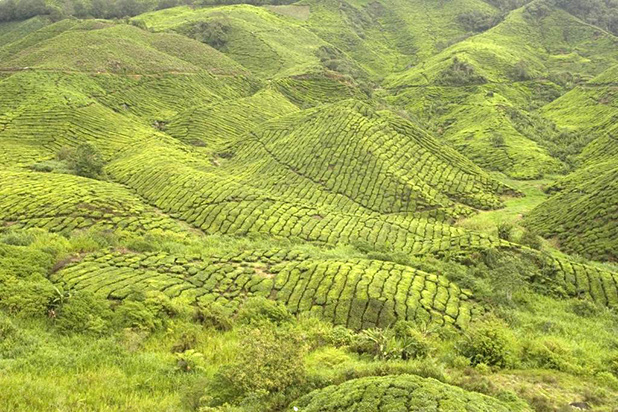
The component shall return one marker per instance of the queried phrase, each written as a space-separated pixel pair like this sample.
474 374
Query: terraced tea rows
314 89
583 214
585 281
223 123
400 393
135 51
355 293
349 149
62 203
206 197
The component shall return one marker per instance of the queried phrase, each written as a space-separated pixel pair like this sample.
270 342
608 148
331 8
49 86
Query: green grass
515 207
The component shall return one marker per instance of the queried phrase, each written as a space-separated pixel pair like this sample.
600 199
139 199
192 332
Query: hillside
346 205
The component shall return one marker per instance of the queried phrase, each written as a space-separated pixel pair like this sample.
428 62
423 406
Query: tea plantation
311 206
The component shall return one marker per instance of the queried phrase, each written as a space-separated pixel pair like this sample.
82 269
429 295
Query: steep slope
389 36
264 42
478 93
255 191
590 108
583 213
583 210
53 96
349 149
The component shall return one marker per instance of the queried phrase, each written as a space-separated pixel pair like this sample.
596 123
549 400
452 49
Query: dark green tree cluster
602 13
477 21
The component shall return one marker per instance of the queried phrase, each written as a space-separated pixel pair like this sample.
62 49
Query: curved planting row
575 279
240 201
314 89
355 293
225 122
380 162
401 393
59 202
583 214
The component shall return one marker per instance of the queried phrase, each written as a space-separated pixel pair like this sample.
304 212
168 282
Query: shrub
136 315
460 72
530 239
488 344
84 313
613 364
377 343
341 336
49 166
505 231
85 160
497 140
585 308
415 345
550 353
270 365
26 298
212 32
521 71
17 238
189 361
260 309
477 21
214 316
9 336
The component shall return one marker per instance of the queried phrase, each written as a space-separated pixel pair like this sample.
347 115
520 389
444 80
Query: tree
269 365
212 32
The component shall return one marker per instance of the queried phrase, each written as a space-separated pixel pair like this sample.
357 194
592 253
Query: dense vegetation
393 205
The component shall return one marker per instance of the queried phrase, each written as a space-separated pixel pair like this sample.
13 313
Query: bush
85 160
9 336
497 140
613 364
530 239
136 315
189 361
269 368
550 353
214 316
478 21
585 308
260 309
84 313
521 71
460 73
505 231
26 298
376 343
340 336
17 238
212 32
416 345
488 344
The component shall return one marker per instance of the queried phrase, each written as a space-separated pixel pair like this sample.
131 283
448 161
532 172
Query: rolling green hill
231 206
